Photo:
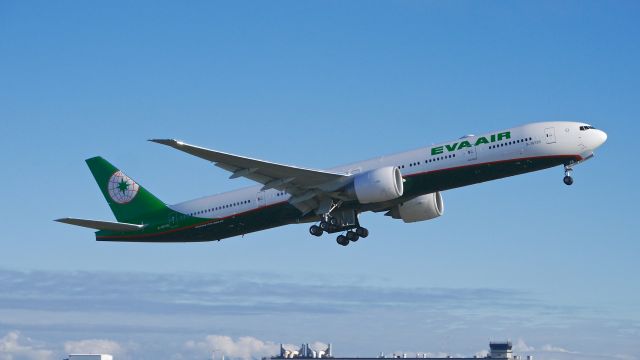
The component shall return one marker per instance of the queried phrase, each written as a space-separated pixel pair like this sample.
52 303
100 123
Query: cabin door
471 153
261 199
550 135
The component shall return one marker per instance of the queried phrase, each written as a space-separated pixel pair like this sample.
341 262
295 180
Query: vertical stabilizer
129 201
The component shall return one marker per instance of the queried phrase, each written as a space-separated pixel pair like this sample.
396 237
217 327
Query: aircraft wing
304 184
101 225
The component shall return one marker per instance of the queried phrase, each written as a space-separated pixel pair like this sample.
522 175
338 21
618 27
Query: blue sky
318 84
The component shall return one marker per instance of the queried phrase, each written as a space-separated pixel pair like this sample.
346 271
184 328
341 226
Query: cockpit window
587 127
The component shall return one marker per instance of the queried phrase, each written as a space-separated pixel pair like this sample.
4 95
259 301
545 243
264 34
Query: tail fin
129 201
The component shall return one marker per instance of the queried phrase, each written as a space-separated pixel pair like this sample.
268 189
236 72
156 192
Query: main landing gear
332 225
568 179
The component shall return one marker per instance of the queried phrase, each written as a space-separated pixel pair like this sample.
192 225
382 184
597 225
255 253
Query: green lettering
481 140
437 150
451 147
493 138
504 135
464 144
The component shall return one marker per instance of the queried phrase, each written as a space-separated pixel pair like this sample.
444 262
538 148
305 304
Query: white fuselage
536 140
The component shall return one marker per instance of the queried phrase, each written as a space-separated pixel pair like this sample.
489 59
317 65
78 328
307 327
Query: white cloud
556 349
13 346
243 348
93 346
624 357
521 346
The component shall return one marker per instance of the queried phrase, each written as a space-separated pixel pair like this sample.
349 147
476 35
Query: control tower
501 350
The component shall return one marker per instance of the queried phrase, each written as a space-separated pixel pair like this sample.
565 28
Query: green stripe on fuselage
192 229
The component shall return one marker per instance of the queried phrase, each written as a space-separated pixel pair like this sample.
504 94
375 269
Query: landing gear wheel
315 230
568 170
362 232
333 221
342 240
324 225
352 236
568 180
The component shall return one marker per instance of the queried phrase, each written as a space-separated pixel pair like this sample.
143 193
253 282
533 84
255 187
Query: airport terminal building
497 350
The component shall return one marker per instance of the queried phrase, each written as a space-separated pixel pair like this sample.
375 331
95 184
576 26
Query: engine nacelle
377 185
421 208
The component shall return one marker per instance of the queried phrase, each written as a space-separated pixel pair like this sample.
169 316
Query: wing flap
101 225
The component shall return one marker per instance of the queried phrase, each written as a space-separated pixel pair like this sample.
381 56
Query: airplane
406 186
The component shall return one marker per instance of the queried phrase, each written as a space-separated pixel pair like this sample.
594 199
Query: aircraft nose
600 137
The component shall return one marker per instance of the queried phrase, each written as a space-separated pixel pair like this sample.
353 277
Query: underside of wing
101 225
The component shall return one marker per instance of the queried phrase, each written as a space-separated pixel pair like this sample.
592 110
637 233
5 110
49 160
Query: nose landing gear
568 179
568 168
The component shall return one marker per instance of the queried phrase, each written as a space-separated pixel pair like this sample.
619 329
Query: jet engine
377 185
424 207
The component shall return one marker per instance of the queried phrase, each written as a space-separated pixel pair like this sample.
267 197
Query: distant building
305 352
497 350
89 357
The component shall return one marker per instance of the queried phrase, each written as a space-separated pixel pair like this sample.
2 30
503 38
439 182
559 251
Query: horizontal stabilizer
101 225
